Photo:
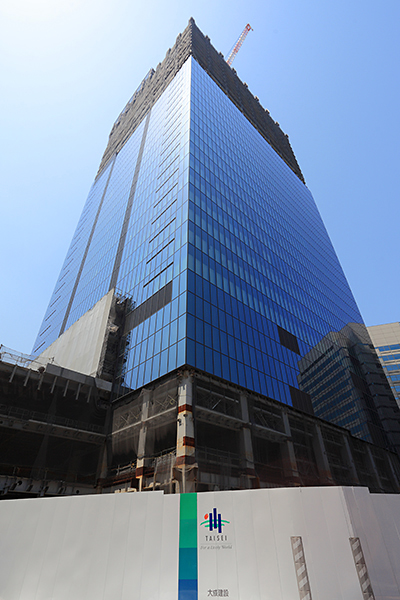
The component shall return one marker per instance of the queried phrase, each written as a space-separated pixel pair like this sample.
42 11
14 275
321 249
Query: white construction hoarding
325 543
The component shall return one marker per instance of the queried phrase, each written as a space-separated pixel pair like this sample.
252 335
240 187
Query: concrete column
321 457
289 462
106 452
395 479
247 444
350 460
39 466
102 467
373 468
141 455
185 442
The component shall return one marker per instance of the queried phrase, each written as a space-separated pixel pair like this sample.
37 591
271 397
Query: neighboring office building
203 260
345 379
386 339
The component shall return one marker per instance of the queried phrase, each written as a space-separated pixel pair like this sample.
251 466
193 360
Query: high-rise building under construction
202 282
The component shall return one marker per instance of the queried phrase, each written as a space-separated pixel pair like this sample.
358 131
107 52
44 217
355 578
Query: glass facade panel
132 236
198 200
259 257
53 319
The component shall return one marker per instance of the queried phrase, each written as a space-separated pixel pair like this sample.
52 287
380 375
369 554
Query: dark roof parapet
192 42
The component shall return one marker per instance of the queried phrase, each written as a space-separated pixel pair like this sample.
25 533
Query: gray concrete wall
80 347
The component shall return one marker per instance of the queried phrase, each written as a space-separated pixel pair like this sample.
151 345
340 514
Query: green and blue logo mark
213 521
188 569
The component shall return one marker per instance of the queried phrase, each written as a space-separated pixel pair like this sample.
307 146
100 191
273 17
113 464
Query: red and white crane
238 44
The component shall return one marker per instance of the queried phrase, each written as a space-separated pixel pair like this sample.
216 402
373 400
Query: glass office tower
200 216
386 339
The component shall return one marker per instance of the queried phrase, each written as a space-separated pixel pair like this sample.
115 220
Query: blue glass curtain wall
143 195
54 316
155 251
259 260
198 198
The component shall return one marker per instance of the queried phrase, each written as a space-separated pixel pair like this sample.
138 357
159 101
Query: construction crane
238 44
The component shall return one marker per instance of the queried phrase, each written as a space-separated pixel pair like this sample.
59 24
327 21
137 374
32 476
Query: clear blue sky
327 71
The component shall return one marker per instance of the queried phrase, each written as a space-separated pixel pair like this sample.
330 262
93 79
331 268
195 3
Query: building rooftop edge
192 42
384 324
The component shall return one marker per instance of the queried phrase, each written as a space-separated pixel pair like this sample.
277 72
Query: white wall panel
387 511
117 551
136 532
48 537
17 548
339 530
169 548
73 550
151 547
375 546
246 551
266 546
100 523
288 521
329 558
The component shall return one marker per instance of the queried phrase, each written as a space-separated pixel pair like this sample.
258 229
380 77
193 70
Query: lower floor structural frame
190 432
63 433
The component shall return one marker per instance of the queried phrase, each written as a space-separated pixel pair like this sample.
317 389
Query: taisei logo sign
214 523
